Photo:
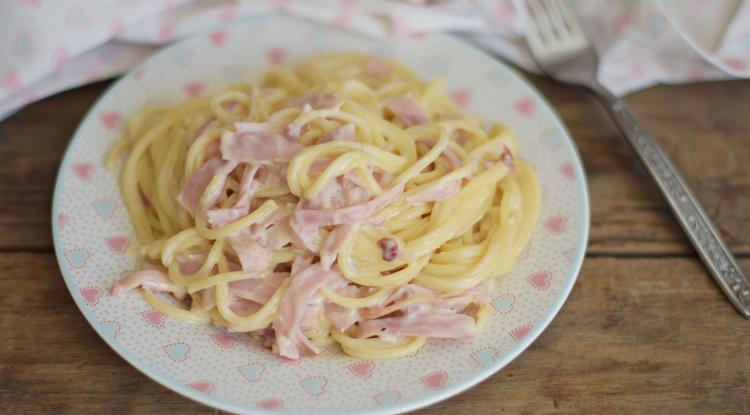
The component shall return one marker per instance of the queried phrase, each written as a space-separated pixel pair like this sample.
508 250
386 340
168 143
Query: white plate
92 232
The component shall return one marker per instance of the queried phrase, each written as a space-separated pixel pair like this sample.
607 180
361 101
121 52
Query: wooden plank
636 336
32 143
701 126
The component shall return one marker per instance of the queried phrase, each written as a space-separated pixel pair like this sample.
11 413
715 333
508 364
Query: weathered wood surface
638 335
645 330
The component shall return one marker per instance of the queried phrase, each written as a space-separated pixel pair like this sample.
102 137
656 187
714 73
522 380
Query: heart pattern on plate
77 258
556 224
252 371
315 385
435 380
91 295
178 352
233 370
389 397
154 318
118 244
362 369
83 170
202 386
540 280
270 403
485 357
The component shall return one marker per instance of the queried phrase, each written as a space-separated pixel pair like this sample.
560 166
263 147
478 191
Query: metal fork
563 52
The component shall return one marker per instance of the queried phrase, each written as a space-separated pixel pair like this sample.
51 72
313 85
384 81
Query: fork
563 52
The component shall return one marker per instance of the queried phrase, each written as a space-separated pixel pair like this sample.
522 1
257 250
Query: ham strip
248 185
196 185
301 293
346 132
258 290
221 217
441 325
343 317
150 279
407 109
253 256
439 193
262 147
307 236
378 68
349 214
316 101
334 243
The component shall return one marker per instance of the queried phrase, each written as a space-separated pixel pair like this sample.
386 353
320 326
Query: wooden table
645 330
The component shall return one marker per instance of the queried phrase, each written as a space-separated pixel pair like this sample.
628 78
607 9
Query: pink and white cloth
49 46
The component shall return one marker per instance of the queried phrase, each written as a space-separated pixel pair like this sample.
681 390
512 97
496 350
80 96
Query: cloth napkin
49 46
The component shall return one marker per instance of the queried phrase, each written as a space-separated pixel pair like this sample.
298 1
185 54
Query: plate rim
421 401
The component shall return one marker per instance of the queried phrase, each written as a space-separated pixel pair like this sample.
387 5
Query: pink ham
306 236
507 158
343 317
258 230
224 216
243 307
401 298
258 290
439 193
265 336
253 256
256 127
407 109
346 132
208 298
212 151
331 195
334 243
452 158
349 214
441 325
262 147
301 293
383 177
316 101
481 293
190 263
248 185
318 166
312 318
150 279
378 68
196 185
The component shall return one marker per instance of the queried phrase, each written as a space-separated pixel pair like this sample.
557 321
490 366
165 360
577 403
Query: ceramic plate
92 233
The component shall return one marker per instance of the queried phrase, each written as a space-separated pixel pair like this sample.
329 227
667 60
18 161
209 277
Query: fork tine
540 21
568 18
533 35
559 25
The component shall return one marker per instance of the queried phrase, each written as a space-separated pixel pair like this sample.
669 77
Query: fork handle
688 211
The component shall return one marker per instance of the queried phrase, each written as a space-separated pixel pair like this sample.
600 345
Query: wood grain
701 127
645 330
636 336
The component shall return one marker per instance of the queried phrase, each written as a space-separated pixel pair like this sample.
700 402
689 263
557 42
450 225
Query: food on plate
339 201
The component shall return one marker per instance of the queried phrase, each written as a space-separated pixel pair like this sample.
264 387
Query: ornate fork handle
689 213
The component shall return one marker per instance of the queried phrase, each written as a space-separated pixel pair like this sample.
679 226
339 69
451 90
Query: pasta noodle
342 201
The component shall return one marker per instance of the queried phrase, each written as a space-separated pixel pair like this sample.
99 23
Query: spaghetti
341 201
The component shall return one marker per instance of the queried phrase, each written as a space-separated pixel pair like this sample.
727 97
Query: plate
92 233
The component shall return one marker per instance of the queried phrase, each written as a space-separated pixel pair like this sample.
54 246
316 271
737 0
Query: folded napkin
49 46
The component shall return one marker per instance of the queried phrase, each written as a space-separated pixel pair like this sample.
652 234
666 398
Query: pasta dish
340 201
